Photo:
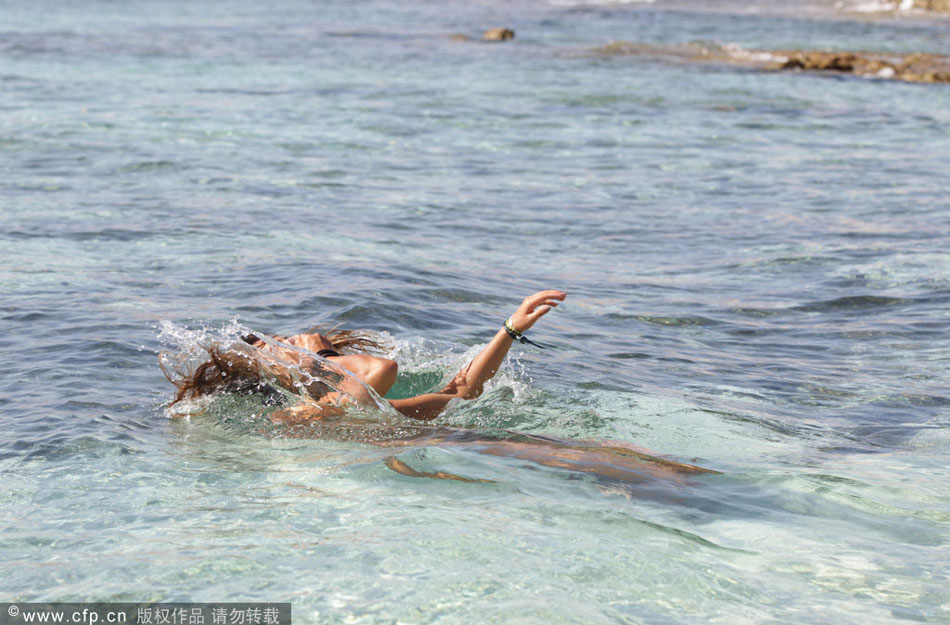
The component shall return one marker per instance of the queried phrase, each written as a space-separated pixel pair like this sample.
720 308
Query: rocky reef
498 34
933 5
907 67
916 67
493 34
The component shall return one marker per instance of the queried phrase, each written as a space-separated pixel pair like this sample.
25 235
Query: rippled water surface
759 278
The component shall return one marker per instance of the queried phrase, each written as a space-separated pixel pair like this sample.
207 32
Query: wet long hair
240 370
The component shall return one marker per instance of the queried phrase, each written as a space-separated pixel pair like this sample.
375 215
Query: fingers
536 306
550 297
546 304
539 312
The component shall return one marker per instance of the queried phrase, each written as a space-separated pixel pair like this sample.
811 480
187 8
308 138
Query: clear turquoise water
758 268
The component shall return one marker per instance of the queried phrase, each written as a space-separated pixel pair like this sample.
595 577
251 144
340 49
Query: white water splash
188 348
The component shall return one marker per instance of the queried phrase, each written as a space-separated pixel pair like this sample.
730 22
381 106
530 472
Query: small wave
630 356
921 400
17 79
749 311
149 167
105 234
677 321
690 536
62 447
853 302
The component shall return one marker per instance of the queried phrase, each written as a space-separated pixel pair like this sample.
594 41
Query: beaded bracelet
518 336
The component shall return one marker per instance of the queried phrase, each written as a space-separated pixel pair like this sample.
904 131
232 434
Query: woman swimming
279 365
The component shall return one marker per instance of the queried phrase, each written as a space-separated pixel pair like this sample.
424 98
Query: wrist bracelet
326 353
518 336
510 327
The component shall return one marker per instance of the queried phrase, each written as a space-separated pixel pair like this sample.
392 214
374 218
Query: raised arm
470 381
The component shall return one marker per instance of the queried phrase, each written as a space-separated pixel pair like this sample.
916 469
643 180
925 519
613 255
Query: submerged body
325 383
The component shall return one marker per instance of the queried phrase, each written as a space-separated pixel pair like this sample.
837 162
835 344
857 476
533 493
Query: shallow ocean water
758 269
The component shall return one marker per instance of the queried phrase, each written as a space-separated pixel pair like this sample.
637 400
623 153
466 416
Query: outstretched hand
534 307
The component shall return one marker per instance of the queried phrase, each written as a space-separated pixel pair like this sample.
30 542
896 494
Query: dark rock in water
498 34
907 67
934 68
821 61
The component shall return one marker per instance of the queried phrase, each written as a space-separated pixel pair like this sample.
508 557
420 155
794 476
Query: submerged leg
678 467
611 462
401 467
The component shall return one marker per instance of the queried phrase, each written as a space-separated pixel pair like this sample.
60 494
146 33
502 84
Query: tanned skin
614 461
